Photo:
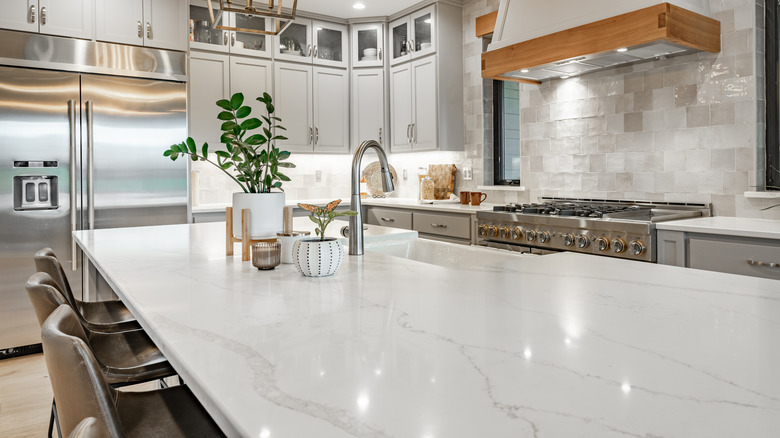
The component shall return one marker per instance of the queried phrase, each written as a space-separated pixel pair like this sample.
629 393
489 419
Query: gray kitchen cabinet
205 36
313 42
368 105
368 45
152 23
215 76
414 35
429 224
426 87
756 257
68 18
313 103
389 217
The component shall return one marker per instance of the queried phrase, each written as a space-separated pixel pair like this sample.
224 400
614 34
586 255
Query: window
506 126
772 167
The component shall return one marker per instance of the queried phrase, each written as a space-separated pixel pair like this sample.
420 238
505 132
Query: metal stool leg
51 420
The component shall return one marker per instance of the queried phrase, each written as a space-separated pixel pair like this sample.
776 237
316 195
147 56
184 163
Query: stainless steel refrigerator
79 151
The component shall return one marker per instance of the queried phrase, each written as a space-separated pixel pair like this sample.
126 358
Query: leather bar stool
82 391
103 316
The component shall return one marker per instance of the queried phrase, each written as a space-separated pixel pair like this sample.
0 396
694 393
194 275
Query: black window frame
772 146
499 178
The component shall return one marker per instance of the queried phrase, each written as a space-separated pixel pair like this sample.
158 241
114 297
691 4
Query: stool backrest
80 389
46 261
44 294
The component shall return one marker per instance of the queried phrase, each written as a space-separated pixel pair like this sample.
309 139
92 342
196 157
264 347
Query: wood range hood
652 32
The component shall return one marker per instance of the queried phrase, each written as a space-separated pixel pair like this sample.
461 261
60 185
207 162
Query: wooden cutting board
443 179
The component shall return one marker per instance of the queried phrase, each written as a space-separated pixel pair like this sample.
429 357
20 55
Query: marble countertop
727 226
562 345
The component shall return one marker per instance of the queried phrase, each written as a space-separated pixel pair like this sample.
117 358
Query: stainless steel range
624 229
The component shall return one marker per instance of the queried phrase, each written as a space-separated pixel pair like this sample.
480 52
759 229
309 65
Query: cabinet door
70 18
331 110
165 24
293 99
294 44
249 43
400 107
204 35
209 82
252 77
400 45
423 28
368 103
425 123
330 44
120 21
367 45
20 15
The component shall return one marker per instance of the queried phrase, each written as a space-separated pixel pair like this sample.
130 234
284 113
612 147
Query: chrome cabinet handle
90 166
380 135
308 50
232 39
32 14
316 134
311 135
763 264
148 30
379 52
224 39
316 52
140 30
439 225
414 132
73 155
43 16
387 219
411 46
408 135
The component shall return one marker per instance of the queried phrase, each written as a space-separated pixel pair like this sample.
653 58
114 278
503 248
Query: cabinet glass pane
294 40
201 30
329 44
400 33
422 32
250 41
367 44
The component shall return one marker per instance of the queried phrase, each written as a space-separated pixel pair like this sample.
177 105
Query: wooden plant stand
246 242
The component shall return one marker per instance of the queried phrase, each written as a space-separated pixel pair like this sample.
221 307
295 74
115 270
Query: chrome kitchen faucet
356 222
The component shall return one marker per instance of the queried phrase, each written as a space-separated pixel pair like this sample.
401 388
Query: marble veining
539 346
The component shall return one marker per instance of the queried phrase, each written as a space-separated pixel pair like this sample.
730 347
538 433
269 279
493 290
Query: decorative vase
317 258
265 214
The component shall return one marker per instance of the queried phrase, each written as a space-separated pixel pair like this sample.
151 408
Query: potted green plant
321 256
251 159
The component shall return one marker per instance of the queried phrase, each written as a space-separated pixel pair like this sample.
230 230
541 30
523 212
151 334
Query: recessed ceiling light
565 77
622 49
525 70
359 6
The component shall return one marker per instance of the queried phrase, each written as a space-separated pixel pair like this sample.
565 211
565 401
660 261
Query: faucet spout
356 222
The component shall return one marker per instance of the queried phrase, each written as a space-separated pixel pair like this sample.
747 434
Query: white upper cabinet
69 18
413 36
368 45
150 23
413 101
401 111
331 110
368 105
205 36
315 42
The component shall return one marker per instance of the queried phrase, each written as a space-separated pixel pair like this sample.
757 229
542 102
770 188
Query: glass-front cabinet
311 41
205 36
413 36
367 45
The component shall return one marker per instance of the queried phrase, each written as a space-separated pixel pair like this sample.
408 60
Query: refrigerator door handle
73 156
90 167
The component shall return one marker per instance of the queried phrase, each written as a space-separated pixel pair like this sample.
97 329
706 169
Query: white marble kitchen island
565 345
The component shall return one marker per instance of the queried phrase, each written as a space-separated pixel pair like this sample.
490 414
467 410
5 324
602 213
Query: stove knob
637 247
530 235
503 232
544 237
568 239
583 241
483 230
619 245
517 234
492 231
602 243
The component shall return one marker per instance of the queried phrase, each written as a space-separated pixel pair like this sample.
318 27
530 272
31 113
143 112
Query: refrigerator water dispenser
37 192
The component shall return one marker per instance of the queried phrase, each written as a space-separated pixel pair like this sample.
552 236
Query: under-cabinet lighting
565 77
359 6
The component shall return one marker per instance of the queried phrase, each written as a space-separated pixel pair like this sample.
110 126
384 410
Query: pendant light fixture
282 19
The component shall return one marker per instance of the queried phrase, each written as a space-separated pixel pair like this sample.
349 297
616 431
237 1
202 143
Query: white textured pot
317 258
265 214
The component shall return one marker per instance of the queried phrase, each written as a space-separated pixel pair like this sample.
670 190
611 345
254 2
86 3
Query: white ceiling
344 9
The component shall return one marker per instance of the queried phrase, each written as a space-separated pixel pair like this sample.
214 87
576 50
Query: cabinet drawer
388 217
444 225
735 257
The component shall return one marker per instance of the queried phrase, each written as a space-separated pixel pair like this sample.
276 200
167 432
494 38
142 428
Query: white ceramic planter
265 214
316 258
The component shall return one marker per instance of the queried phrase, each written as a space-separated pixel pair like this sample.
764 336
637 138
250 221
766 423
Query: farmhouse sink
442 253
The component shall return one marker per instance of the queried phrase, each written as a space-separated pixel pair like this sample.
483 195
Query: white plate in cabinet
456 226
758 259
389 218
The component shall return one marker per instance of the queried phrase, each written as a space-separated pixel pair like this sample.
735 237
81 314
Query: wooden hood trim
660 22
